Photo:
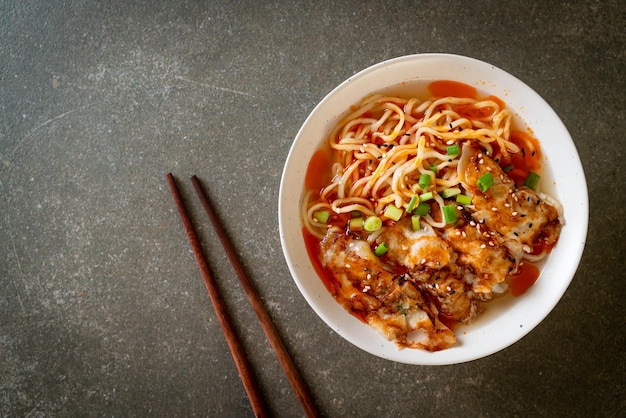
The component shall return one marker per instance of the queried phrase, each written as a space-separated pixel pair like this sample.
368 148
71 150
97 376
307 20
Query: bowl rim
333 106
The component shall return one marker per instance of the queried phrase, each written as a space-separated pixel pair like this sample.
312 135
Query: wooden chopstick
297 383
241 362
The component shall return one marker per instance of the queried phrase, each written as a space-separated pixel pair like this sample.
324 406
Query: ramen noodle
417 212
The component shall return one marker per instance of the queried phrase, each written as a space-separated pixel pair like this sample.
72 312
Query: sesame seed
423 261
450 142
514 213
459 207
506 205
481 161
464 234
480 155
457 233
347 266
491 243
472 223
369 276
483 246
488 168
494 209
448 288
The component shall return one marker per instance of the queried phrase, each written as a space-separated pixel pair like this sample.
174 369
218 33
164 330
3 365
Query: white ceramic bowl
505 320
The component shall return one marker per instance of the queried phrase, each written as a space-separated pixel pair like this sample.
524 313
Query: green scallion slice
422 209
322 216
454 149
415 222
463 199
393 212
424 181
372 223
426 196
449 214
412 203
448 193
434 169
532 180
381 249
356 224
485 182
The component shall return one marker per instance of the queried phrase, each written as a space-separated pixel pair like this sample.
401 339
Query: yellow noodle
385 144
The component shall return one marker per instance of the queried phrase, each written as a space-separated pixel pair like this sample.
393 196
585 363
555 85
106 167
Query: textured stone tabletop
102 308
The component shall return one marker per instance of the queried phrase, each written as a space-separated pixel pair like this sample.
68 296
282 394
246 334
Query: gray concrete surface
102 309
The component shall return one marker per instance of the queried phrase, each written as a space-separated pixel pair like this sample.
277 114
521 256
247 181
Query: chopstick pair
243 367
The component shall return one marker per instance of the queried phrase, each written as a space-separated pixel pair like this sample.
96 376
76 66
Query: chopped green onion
411 204
508 168
447 193
449 214
322 216
453 149
532 180
372 223
463 199
355 214
422 209
415 222
434 169
426 196
393 212
485 182
356 224
424 181
381 249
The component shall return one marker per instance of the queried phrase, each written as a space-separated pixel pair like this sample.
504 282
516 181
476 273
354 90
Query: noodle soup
424 205
505 318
